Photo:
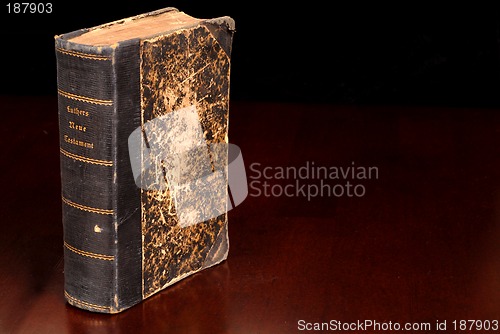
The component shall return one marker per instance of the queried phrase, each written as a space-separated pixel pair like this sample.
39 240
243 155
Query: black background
356 54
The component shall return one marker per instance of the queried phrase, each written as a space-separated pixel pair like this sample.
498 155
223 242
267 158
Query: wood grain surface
421 245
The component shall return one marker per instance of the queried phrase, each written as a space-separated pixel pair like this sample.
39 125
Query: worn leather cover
123 243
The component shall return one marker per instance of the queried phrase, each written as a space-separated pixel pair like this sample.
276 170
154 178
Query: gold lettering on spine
78 127
76 111
74 141
73 125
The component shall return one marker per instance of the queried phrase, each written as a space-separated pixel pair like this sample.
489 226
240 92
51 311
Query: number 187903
475 325
29 8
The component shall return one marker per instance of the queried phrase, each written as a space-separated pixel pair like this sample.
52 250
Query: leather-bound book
143 112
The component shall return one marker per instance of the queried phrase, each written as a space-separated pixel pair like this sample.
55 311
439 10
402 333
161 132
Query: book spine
86 111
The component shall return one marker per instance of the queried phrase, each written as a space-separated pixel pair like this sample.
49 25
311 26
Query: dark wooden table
421 245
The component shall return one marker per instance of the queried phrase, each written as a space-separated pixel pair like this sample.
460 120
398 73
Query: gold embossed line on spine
83 55
84 98
79 302
86 208
89 254
85 159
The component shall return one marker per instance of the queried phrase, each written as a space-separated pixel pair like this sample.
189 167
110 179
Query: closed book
143 118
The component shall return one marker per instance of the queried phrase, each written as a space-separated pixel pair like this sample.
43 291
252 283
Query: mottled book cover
143 111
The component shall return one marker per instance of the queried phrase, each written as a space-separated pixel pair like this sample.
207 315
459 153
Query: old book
143 112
